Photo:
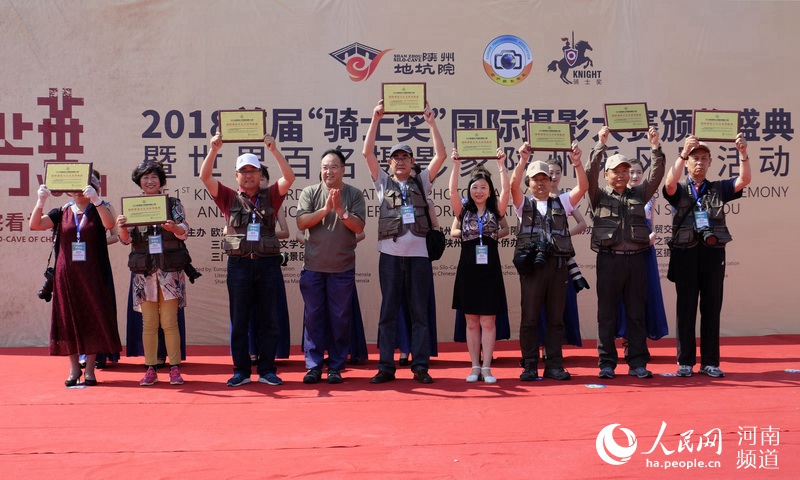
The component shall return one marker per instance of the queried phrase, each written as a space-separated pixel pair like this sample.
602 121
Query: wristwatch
345 215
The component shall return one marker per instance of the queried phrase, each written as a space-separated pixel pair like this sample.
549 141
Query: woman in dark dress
479 289
84 318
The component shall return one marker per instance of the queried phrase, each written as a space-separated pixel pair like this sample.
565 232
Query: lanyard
698 195
481 221
79 225
404 192
253 215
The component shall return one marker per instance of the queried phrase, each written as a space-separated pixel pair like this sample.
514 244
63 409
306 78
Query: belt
622 252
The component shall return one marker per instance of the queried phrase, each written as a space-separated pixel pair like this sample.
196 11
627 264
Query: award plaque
715 125
404 98
477 143
550 136
627 117
242 125
67 177
145 210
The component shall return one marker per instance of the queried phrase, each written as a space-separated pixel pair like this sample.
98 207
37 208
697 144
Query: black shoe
72 381
382 377
422 376
404 362
312 376
640 372
100 363
89 382
606 372
529 374
334 376
556 374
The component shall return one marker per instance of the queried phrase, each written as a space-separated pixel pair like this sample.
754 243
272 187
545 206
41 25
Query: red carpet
402 429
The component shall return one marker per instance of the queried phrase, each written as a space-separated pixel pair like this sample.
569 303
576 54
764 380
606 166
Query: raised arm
455 196
502 202
743 179
656 173
519 174
439 153
593 167
369 142
207 168
39 221
675 172
578 190
287 175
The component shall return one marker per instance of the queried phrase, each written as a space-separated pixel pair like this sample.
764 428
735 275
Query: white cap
246 159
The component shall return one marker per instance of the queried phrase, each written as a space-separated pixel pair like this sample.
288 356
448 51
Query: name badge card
67 177
715 125
404 98
155 244
482 254
242 125
550 136
78 251
145 210
408 213
627 117
477 143
701 219
253 232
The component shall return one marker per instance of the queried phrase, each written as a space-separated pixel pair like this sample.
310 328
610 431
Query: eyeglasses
248 173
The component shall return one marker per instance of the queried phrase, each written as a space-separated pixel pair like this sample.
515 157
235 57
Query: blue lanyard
481 221
254 211
79 225
404 192
698 195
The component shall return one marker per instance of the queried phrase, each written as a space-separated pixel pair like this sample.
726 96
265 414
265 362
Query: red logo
360 60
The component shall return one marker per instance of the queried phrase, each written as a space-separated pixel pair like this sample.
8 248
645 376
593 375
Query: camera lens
709 238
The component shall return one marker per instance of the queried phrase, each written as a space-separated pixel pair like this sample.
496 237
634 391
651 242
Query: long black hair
480 173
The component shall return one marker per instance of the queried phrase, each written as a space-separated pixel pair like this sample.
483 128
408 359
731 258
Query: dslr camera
542 250
46 292
706 235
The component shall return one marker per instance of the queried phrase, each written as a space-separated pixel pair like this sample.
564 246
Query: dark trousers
545 285
698 272
253 288
621 278
410 278
327 317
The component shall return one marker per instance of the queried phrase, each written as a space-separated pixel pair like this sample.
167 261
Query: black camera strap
427 205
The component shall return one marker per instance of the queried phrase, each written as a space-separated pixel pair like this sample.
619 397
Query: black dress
479 289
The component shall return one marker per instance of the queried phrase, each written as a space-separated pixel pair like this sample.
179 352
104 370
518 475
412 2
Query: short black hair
334 151
149 166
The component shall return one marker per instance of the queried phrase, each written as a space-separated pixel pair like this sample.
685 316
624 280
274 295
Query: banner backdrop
119 82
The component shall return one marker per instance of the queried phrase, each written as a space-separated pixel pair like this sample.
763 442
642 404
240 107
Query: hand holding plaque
477 143
242 125
404 98
67 177
626 117
145 210
550 136
715 125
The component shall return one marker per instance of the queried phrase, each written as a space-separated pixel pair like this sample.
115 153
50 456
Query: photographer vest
619 219
684 234
174 256
235 242
390 219
532 227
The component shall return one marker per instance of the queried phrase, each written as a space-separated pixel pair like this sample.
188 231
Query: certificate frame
404 98
242 125
67 177
716 125
477 143
145 210
627 117
550 136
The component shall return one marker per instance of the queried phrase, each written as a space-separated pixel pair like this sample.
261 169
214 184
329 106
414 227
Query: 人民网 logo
609 450
507 60
574 56
360 60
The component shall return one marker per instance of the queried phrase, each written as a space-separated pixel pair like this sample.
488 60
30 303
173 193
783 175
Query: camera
46 292
542 251
507 60
191 273
707 236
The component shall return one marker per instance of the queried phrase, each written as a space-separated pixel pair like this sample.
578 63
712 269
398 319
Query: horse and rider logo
574 56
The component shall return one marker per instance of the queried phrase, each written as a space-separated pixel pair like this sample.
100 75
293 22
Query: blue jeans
253 288
411 277
328 315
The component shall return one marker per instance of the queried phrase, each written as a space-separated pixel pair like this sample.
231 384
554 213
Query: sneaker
334 376
175 377
529 374
557 374
150 377
312 376
270 379
640 372
684 371
606 372
238 379
711 371
423 377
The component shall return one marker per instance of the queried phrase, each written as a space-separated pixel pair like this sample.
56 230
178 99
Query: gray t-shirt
330 245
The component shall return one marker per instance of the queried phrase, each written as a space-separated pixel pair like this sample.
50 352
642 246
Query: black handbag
434 239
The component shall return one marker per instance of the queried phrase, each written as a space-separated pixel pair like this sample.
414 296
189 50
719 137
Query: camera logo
609 450
507 60
360 60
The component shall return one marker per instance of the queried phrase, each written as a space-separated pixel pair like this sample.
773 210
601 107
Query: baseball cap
399 147
536 168
700 145
246 159
616 160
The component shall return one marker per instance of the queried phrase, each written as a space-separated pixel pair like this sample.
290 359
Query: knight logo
574 57
360 60
609 450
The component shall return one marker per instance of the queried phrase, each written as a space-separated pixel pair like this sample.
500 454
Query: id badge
408 213
481 254
78 251
701 219
253 232
155 244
